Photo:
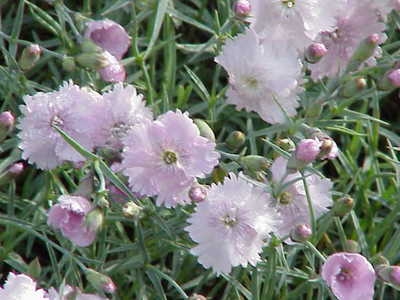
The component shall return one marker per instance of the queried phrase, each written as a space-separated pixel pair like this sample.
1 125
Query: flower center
169 157
344 275
229 221
289 3
285 198
251 82
119 130
56 121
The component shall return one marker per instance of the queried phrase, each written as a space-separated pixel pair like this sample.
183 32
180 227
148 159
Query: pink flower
291 201
21 287
231 225
350 276
110 36
114 71
74 110
69 216
7 119
356 21
165 156
307 150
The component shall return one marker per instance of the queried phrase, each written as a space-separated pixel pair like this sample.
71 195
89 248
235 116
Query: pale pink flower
114 71
21 287
69 217
67 291
165 156
266 79
291 201
74 110
355 21
232 225
110 36
350 276
123 108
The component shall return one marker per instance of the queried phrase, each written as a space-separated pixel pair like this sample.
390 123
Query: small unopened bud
95 219
255 163
365 50
391 80
68 64
7 121
131 210
88 46
16 169
197 297
218 174
379 260
205 130
315 52
198 193
343 206
242 8
308 150
286 144
30 55
100 281
235 140
352 246
390 274
301 233
96 60
353 87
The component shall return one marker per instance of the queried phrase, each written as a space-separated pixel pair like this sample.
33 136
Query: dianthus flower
69 217
263 77
291 201
231 225
165 156
21 287
350 276
68 292
72 109
123 109
355 22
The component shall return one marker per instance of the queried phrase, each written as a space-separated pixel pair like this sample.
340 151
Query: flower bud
315 52
390 274
308 150
198 193
205 130
379 260
352 246
95 60
255 163
343 206
95 219
7 121
242 8
365 50
87 46
30 55
301 233
286 144
218 174
235 140
391 80
131 210
12 172
100 281
197 297
353 87
329 149
68 63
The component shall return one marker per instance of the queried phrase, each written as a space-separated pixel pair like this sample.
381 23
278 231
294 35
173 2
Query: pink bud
315 52
197 193
307 150
394 77
395 275
7 119
114 71
109 287
373 39
242 8
34 49
16 169
301 233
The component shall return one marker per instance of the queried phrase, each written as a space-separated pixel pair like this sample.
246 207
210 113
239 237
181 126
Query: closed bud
315 52
242 8
391 80
365 50
379 260
87 46
197 297
343 206
96 60
218 174
286 144
307 150
390 274
255 163
353 87
30 55
11 173
95 219
100 281
301 233
205 130
7 121
198 193
329 149
68 63
352 247
235 140
131 210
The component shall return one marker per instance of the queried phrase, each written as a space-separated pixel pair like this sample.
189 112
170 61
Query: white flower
21 287
263 77
291 202
68 292
231 225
